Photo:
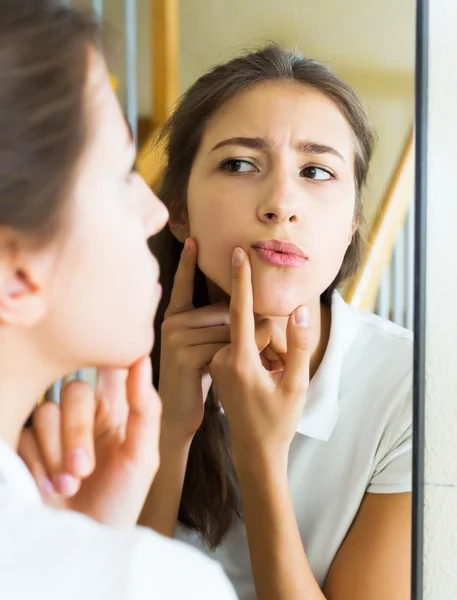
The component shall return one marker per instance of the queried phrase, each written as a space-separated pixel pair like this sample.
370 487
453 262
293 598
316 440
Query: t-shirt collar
321 411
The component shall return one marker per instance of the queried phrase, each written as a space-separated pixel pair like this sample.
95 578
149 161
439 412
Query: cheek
331 238
217 224
110 294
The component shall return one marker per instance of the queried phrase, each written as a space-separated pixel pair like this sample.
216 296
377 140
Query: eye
316 173
237 165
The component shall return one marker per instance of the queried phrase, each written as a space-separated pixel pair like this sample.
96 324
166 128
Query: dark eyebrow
315 148
256 143
260 143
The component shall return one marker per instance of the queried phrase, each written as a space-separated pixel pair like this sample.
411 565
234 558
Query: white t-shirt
59 555
354 437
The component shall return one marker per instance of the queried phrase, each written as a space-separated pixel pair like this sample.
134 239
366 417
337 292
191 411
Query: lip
280 254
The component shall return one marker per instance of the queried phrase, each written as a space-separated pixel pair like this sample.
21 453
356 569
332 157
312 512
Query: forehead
285 112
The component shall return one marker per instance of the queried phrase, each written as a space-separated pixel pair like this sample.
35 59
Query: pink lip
280 254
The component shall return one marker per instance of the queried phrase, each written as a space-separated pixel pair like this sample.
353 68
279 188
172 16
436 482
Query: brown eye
317 173
236 165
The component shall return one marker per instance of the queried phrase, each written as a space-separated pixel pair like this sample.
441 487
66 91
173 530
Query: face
104 291
275 175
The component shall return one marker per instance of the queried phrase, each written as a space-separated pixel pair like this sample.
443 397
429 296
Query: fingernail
238 257
186 246
80 461
66 484
46 488
302 317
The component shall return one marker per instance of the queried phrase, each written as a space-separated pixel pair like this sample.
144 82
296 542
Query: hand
190 339
262 406
98 453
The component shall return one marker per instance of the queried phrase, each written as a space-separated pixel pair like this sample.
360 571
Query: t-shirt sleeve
393 468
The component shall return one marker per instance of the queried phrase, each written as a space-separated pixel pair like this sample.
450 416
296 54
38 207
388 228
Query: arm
373 561
160 511
190 338
279 564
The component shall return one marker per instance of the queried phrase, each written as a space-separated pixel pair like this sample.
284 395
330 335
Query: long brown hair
209 499
43 69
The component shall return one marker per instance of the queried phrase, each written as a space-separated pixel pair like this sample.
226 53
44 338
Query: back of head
70 200
43 68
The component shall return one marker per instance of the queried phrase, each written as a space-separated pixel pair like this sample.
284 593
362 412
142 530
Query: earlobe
355 226
180 229
21 301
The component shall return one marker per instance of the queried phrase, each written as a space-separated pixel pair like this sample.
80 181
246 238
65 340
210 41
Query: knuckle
170 326
182 357
175 339
237 367
166 326
302 344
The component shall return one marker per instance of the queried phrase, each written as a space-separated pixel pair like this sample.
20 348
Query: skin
278 192
288 191
88 297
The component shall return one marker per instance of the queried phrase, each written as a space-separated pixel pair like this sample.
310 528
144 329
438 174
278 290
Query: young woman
78 286
286 429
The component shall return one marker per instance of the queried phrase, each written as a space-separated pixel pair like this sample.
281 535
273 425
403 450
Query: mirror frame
420 255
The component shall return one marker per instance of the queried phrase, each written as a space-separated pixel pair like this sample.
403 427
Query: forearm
280 567
161 508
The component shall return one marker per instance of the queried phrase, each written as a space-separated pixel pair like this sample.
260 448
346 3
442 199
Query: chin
278 307
138 350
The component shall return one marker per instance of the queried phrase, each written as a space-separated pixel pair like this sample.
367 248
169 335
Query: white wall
441 346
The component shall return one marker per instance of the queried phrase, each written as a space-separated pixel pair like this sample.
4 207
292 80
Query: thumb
296 372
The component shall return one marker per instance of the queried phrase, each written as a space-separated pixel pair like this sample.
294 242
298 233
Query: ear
179 225
355 226
22 302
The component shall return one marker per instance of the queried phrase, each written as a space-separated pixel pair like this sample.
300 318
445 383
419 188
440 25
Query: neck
24 378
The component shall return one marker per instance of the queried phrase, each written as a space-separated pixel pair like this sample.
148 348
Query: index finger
182 294
242 325
145 409
77 404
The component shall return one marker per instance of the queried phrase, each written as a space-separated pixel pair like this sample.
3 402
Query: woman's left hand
97 453
262 407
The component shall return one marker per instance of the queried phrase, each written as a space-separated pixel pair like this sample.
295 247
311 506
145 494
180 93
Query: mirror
341 507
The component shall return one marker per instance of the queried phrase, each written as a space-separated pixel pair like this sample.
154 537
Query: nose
280 203
154 212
